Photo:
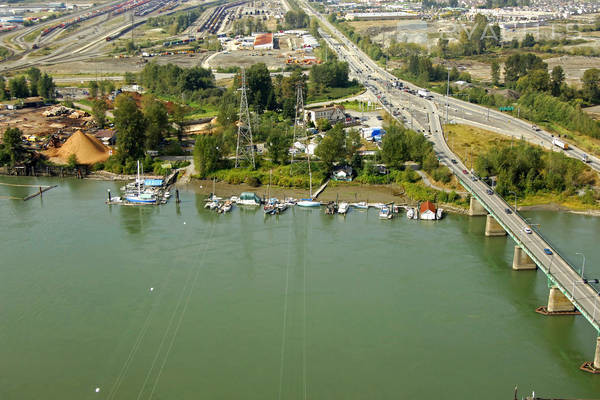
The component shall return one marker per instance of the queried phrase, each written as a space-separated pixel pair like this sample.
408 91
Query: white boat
439 213
234 199
211 205
308 203
379 205
410 213
225 207
343 208
385 213
139 197
249 199
363 205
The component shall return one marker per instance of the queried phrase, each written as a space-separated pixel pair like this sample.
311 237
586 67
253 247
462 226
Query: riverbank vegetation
536 175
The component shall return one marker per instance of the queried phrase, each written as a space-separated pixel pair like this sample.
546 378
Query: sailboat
139 196
310 202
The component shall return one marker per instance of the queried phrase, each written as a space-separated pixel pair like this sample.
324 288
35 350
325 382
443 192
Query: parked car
548 251
527 230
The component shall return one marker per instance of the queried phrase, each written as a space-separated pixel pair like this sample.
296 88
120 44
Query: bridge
569 292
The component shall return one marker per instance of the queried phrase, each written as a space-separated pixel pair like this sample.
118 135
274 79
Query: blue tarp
153 182
377 132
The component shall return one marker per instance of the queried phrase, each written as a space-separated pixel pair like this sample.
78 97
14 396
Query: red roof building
263 41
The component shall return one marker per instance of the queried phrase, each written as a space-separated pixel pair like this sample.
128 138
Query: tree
72 161
331 149
495 70
130 125
34 75
591 85
394 148
207 153
46 87
537 80
158 121
99 108
18 87
528 40
12 141
93 86
129 78
558 78
260 88
278 146
323 124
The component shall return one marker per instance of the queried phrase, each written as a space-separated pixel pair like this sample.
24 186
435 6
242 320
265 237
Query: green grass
335 94
30 37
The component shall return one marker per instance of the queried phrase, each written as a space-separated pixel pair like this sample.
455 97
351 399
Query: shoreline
391 193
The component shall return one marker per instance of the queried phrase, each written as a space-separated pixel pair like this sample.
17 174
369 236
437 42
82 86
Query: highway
402 105
458 110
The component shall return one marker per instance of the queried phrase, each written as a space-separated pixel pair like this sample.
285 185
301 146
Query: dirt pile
86 148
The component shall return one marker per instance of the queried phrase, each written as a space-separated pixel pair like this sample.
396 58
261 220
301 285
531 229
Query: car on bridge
527 230
548 251
508 211
490 192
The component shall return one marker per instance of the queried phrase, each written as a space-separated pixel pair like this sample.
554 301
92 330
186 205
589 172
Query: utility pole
245 145
298 120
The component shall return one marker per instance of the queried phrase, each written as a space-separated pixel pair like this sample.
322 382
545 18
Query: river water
176 302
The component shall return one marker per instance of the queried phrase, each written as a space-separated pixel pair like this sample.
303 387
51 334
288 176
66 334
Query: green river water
300 306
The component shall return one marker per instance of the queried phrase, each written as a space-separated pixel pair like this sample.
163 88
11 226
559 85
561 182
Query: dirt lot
32 122
574 66
111 65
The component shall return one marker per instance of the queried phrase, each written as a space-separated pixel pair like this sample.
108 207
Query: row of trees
171 80
527 169
33 83
101 88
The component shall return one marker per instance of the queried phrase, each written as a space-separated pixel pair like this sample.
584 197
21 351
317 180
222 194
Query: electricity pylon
245 145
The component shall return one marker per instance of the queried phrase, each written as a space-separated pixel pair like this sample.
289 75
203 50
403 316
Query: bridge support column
597 357
593 366
475 208
521 261
493 228
558 302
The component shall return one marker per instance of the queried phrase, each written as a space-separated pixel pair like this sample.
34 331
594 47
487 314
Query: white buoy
97 390
184 223
151 289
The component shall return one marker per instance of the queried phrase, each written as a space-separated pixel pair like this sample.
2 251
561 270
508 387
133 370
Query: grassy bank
469 143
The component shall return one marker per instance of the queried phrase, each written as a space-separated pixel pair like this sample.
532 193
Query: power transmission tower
245 145
298 119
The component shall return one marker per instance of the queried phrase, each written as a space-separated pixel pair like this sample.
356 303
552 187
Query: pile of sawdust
86 148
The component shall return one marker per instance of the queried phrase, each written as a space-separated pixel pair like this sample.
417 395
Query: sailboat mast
138 177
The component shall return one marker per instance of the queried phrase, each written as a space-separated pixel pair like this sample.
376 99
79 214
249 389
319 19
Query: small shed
427 210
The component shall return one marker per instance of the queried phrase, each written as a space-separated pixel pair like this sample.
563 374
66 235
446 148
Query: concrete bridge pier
493 228
521 261
558 302
475 208
597 357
